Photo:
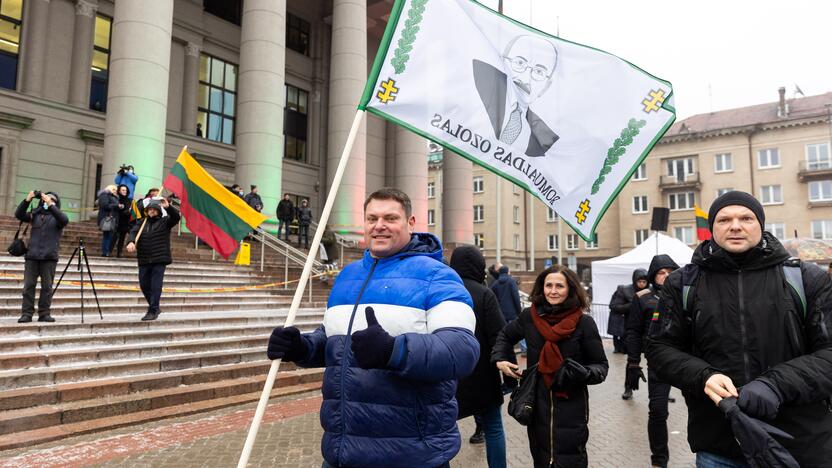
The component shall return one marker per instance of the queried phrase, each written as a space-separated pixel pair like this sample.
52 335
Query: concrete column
36 19
138 90
412 173
80 74
347 76
458 200
261 99
190 88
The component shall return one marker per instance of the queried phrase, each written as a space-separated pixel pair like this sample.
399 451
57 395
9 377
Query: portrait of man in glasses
530 62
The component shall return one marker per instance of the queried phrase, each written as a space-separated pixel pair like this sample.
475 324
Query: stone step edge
40 436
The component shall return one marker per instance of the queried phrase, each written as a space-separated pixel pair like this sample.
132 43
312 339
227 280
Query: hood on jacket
769 252
469 263
421 243
155 204
659 262
639 273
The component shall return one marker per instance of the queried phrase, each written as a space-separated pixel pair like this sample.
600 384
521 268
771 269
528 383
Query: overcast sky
717 54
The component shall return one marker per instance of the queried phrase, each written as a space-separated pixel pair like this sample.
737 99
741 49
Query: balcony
812 170
672 182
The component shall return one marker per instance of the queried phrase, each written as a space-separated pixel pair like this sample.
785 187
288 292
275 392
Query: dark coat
620 304
743 322
124 213
154 243
505 288
642 308
254 200
285 210
107 205
481 390
46 229
569 416
304 216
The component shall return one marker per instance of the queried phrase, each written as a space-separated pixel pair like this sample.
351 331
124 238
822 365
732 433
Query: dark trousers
303 233
34 269
120 242
283 225
658 392
107 242
618 344
151 277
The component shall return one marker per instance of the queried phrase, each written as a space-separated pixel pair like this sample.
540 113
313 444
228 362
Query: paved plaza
291 433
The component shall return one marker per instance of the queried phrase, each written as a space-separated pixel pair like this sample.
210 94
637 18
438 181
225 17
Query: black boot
628 394
46 318
150 316
25 318
478 437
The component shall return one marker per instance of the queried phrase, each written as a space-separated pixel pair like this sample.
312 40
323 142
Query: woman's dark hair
576 291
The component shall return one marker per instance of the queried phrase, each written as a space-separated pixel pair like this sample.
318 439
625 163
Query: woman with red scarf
566 346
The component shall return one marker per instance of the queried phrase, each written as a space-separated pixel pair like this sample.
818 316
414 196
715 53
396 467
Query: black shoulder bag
522 400
18 248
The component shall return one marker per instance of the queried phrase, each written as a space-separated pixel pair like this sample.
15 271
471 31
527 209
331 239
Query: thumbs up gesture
373 346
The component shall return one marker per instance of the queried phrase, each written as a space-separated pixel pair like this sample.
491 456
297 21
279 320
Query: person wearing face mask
638 322
565 344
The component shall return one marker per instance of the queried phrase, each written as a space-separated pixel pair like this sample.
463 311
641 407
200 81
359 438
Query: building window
571 242
722 191
551 216
229 10
100 63
479 213
640 204
771 194
515 213
478 184
431 189
822 229
516 241
820 190
680 168
680 201
431 219
684 234
297 34
552 242
515 189
641 235
778 230
217 98
767 158
641 172
592 245
817 157
479 239
11 12
723 163
295 123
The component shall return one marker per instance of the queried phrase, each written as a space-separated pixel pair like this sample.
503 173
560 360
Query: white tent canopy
608 274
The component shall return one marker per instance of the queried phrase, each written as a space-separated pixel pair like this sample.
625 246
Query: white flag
566 122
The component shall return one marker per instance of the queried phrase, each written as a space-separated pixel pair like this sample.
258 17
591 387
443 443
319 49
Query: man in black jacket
729 326
151 240
638 322
304 220
253 199
480 394
620 303
285 214
48 223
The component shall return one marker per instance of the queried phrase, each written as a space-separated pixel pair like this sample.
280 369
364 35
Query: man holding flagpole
398 333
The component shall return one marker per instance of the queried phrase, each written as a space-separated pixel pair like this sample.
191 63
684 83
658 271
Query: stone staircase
206 350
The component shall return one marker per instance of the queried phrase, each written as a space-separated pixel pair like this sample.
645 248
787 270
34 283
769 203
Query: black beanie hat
735 197
253 187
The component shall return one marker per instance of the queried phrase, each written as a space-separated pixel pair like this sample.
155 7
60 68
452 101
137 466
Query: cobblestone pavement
291 434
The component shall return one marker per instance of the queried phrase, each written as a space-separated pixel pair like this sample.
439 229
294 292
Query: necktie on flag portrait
567 122
214 214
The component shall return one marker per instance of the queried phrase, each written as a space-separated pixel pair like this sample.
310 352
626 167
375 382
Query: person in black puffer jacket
565 344
304 220
150 239
108 208
48 222
480 394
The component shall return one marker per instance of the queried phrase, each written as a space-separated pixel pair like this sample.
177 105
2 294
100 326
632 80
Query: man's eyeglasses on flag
520 65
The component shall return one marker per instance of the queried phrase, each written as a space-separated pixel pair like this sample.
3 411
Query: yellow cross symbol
388 91
584 209
653 101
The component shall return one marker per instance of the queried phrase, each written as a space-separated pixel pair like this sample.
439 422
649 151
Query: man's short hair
390 193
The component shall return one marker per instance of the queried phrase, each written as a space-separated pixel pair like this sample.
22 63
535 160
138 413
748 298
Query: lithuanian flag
702 231
211 211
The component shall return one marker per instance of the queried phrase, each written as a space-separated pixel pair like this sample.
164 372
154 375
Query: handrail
286 249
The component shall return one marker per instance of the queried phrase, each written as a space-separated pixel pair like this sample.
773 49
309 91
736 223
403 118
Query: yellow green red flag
702 230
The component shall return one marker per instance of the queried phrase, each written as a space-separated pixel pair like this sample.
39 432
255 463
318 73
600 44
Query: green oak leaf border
411 26
618 149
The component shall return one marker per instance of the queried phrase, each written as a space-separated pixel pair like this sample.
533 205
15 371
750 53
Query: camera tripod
82 254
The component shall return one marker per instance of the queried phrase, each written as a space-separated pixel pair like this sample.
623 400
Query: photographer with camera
47 221
125 176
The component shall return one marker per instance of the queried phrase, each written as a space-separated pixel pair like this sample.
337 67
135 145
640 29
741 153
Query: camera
36 194
124 168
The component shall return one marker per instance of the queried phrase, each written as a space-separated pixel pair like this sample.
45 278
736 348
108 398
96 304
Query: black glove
571 372
287 344
755 439
634 374
759 399
373 346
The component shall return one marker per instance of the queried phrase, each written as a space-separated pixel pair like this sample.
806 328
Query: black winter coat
505 288
124 213
481 390
285 210
744 323
642 308
254 200
304 216
45 231
566 444
154 243
107 206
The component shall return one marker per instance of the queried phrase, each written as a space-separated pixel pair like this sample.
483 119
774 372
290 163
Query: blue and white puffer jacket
404 415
